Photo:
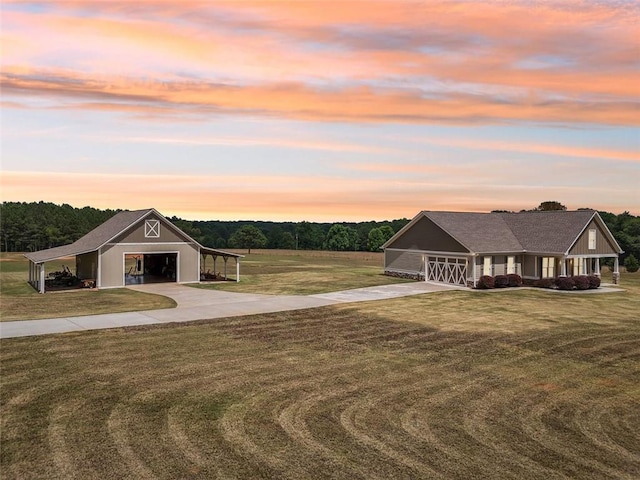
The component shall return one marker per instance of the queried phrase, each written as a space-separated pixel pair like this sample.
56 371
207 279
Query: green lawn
19 301
290 272
512 384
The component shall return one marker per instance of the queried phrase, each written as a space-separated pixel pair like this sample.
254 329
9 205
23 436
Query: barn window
592 239
152 228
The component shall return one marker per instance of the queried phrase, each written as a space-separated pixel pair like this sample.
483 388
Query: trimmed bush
565 283
501 281
544 283
631 264
582 282
486 281
594 281
515 280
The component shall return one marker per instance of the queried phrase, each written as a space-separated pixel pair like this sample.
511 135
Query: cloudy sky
321 110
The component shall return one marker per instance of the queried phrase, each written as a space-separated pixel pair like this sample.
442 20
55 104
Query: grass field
19 301
291 272
286 272
515 384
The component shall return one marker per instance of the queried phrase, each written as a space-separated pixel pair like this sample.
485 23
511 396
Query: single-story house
458 247
132 247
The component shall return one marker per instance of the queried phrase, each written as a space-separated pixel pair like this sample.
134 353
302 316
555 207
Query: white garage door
452 270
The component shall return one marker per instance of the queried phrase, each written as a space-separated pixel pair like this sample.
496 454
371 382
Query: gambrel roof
105 233
552 232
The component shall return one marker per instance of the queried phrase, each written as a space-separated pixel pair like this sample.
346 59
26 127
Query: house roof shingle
542 232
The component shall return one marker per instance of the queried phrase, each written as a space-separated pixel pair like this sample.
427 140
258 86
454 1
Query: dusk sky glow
321 111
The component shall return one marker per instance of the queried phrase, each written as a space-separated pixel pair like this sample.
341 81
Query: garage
451 270
150 268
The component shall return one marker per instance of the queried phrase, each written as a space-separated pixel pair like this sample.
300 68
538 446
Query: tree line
37 225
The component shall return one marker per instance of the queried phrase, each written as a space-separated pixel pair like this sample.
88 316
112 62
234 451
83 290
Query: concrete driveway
201 304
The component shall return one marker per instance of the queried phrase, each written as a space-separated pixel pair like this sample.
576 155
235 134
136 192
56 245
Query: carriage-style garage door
452 270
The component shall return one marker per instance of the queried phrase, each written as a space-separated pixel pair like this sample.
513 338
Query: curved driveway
202 304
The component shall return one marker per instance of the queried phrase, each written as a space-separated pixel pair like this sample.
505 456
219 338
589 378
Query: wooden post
475 281
225 267
597 271
237 269
563 267
41 286
616 271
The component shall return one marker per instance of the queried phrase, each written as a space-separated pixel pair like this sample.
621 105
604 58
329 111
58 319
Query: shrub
631 264
565 283
515 280
544 283
582 282
501 281
594 281
486 281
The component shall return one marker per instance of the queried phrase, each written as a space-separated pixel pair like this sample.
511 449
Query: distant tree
375 240
288 241
378 236
341 238
550 206
310 236
249 236
631 264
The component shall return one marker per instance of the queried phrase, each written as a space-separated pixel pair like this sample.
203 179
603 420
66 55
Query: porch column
475 282
597 270
616 271
41 286
237 269
563 267
425 259
584 266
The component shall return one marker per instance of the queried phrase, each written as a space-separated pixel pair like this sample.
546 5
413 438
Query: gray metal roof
552 232
94 239
104 233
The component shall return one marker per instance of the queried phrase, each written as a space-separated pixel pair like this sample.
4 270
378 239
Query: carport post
237 269
41 286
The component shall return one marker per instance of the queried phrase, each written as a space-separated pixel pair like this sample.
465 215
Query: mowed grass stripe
359 391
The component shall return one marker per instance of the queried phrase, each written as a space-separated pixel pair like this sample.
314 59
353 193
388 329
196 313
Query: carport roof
106 232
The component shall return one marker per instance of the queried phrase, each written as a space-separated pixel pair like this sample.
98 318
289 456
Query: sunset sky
321 111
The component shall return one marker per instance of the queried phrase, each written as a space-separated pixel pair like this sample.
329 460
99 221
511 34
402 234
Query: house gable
604 244
153 228
425 235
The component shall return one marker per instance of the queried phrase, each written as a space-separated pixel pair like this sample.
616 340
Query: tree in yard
249 236
631 264
341 238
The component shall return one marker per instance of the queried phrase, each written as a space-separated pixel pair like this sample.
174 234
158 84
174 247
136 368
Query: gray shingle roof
552 232
541 232
92 240
479 232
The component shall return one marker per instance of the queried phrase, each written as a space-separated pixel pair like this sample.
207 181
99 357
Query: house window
592 239
152 229
548 267
578 266
487 266
511 265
